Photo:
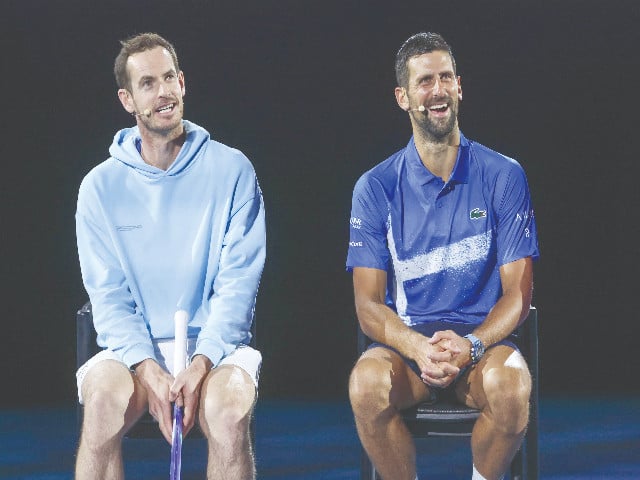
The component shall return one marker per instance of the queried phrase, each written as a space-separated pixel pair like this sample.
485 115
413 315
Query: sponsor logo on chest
476 213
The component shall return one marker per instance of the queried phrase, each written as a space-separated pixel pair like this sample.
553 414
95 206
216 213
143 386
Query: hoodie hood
125 149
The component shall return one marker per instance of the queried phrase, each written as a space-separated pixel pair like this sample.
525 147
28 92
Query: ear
126 100
401 98
459 88
181 83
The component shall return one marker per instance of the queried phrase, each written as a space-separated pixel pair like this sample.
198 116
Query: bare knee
227 405
105 403
369 388
111 404
507 390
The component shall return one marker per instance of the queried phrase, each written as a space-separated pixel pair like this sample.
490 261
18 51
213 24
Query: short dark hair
419 44
136 44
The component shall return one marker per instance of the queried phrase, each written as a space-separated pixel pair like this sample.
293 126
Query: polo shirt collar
421 175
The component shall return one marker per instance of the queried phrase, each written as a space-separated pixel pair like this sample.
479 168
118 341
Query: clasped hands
441 357
163 390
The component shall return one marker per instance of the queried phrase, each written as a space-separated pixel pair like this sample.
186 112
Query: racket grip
181 319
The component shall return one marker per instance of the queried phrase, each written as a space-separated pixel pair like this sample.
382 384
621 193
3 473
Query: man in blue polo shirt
442 241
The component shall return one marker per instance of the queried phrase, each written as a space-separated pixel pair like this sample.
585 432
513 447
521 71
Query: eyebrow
144 78
427 76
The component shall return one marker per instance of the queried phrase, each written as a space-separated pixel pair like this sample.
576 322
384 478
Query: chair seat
442 412
147 427
443 417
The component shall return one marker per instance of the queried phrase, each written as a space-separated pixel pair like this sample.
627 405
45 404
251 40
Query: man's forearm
381 324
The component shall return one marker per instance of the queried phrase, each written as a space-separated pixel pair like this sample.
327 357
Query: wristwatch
477 348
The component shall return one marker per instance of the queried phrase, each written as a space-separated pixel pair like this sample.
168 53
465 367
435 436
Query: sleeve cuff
137 354
209 349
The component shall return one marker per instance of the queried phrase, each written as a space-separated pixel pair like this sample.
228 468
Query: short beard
166 131
438 132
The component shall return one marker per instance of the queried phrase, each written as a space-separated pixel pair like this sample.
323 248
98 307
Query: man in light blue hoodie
172 220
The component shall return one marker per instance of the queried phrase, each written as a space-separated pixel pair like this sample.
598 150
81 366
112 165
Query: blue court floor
580 438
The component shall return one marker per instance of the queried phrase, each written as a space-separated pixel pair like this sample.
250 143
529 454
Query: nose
164 89
437 87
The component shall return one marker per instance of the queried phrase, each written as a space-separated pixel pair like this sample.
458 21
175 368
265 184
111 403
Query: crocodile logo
476 213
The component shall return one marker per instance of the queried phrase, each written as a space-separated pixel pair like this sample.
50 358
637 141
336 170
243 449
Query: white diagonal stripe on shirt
450 257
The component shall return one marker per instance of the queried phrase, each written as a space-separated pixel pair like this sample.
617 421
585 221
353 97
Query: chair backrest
86 345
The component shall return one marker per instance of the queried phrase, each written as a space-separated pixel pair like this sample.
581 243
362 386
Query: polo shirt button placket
440 202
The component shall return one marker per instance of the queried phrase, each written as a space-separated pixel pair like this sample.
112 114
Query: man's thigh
502 360
104 372
227 397
405 387
233 381
246 358
112 379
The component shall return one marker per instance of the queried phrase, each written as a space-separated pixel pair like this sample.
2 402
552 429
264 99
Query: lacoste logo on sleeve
476 213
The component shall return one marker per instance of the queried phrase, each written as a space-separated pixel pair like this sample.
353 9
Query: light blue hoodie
152 241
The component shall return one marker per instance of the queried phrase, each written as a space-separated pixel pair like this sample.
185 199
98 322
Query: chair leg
532 452
524 465
367 470
517 463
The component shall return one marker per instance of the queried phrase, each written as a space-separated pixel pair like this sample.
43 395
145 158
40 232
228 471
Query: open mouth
439 108
166 108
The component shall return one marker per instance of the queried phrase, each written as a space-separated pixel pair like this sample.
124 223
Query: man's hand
458 348
185 390
435 362
156 381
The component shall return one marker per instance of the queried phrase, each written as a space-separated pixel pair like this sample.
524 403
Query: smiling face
432 94
156 91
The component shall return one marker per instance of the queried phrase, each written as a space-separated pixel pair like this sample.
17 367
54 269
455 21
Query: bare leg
380 386
226 406
113 401
499 386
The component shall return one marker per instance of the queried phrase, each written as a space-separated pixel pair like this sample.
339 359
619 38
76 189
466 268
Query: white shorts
245 357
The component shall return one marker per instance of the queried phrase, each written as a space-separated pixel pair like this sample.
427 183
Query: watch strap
477 348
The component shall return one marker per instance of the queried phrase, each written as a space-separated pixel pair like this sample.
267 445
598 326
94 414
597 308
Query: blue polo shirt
442 244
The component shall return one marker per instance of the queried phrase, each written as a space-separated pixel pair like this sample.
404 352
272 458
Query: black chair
454 419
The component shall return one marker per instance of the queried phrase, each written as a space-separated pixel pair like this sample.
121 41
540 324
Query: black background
305 90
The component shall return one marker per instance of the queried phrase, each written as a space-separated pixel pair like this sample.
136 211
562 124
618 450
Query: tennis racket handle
181 319
176 445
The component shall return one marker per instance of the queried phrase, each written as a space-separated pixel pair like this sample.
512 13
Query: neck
438 155
161 150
